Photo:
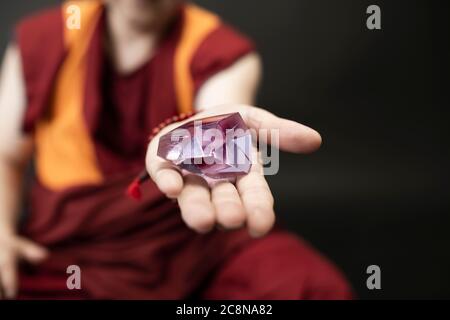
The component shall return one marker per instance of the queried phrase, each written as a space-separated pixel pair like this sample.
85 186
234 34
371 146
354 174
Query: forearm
236 85
15 146
11 175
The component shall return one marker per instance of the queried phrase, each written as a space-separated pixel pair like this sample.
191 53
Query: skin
249 202
15 150
133 30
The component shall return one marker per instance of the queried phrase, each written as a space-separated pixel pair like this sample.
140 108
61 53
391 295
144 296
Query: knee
279 266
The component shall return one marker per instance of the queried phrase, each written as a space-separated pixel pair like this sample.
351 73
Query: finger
8 278
30 251
258 201
293 136
230 212
195 203
163 173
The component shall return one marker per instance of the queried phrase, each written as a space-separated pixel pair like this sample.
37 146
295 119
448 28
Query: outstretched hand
13 248
247 202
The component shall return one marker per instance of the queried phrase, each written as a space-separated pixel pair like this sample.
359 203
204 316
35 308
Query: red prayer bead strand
168 121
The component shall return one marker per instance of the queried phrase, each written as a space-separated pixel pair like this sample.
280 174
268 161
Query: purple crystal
217 147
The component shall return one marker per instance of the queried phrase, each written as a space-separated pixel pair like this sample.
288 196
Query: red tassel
134 190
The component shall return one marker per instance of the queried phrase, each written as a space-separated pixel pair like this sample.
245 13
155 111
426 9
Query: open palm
247 202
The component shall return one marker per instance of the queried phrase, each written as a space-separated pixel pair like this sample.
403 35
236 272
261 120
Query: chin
146 13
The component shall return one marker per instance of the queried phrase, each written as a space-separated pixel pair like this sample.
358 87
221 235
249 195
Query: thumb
31 251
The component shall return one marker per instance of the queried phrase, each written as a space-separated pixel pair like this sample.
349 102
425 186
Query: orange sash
65 152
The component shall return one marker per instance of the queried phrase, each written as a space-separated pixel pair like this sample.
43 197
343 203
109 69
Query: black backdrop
377 191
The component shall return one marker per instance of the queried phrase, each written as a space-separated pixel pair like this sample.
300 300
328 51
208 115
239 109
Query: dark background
378 190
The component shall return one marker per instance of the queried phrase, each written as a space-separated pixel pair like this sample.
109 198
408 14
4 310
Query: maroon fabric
125 249
121 110
39 63
278 266
122 133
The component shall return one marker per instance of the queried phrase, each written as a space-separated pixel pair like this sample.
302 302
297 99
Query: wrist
7 230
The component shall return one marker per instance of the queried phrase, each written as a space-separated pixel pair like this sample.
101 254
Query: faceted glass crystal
217 147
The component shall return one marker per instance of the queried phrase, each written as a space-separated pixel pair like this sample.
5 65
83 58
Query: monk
80 101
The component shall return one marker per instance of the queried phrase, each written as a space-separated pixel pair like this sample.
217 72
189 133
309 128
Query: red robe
86 157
